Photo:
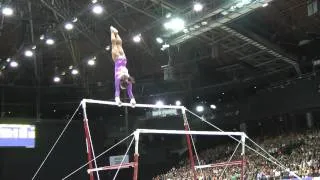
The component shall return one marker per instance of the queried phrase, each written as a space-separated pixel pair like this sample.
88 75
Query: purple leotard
119 70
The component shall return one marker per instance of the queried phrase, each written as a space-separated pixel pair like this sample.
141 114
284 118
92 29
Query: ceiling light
175 24
7 11
68 26
197 7
165 46
50 41
159 103
137 38
204 23
3 67
34 47
178 103
74 19
159 40
168 15
212 106
265 4
14 64
56 79
8 59
196 26
97 9
63 73
200 108
108 48
224 13
94 1
74 72
42 37
28 53
70 67
91 62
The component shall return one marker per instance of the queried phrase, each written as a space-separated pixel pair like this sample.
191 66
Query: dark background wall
283 107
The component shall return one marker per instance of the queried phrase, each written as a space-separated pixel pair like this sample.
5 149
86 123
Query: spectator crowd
299 153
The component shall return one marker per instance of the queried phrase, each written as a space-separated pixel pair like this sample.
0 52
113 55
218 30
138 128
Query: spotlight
94 1
175 24
70 67
74 20
212 106
8 59
97 9
224 13
56 79
28 53
178 103
200 108
50 41
203 23
34 47
7 11
42 37
108 48
159 40
265 5
14 64
168 15
137 38
159 103
74 72
197 7
165 46
91 62
68 26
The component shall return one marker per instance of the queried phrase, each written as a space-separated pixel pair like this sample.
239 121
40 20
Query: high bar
112 103
218 133
124 165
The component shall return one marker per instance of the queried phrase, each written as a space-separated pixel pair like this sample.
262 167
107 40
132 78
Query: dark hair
125 80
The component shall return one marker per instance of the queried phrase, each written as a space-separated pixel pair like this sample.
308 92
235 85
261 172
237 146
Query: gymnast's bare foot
114 30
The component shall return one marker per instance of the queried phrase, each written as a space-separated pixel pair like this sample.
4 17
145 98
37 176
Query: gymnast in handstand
122 79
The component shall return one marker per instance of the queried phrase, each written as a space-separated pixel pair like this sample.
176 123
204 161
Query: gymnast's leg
115 57
130 94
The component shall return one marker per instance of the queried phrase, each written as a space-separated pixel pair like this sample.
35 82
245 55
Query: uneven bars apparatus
89 145
187 132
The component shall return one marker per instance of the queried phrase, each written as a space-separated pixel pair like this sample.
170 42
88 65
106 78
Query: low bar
218 133
112 103
233 163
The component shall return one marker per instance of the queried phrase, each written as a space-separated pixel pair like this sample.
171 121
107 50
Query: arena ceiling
228 41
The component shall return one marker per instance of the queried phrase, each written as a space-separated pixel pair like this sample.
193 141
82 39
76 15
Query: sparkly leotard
120 70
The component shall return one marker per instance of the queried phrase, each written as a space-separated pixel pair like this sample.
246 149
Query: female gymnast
122 79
